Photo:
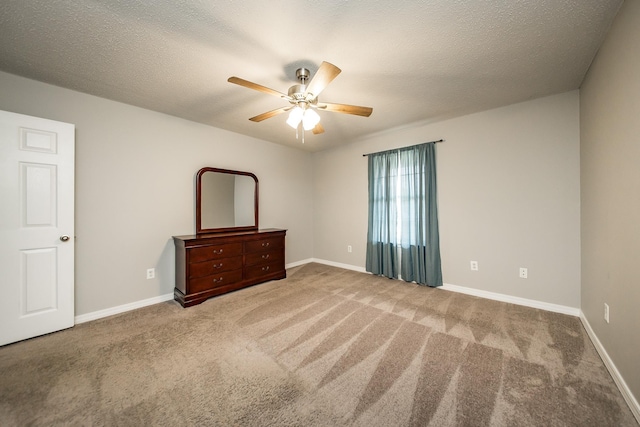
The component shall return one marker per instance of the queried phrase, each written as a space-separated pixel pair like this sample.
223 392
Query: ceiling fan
303 98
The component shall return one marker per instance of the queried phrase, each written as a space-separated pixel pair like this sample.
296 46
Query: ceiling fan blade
325 75
346 109
255 86
269 114
318 129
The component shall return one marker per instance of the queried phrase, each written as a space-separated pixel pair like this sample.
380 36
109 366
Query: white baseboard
297 263
325 262
556 308
121 308
613 370
339 265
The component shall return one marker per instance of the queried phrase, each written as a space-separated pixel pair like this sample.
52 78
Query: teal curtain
403 238
381 234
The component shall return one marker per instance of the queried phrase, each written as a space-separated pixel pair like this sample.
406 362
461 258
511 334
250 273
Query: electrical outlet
524 273
606 312
349 249
151 273
474 265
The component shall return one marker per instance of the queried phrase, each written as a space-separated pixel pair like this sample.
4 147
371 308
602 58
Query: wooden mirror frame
199 228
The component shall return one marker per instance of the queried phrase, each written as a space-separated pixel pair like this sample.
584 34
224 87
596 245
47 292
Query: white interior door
36 226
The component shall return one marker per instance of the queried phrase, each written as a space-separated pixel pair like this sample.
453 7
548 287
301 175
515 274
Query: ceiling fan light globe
294 117
310 119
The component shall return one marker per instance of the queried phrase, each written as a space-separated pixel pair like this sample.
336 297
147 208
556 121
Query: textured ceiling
412 61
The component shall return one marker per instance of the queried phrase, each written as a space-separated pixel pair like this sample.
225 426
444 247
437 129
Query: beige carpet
324 347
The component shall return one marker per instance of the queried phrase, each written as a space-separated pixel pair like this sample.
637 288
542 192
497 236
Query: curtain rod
393 149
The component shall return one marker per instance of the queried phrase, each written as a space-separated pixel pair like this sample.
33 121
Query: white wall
610 176
135 187
509 197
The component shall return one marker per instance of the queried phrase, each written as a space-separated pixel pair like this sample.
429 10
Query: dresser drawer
214 281
264 244
259 258
214 252
258 271
206 268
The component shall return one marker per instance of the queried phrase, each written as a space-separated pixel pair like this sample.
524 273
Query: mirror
226 200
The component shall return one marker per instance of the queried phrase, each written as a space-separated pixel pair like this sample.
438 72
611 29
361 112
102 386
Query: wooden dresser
214 264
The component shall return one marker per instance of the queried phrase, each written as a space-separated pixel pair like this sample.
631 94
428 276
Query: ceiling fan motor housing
298 96
297 92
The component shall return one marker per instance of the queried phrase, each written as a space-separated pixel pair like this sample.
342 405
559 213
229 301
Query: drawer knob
217 265
265 244
265 268
217 280
217 251
265 256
